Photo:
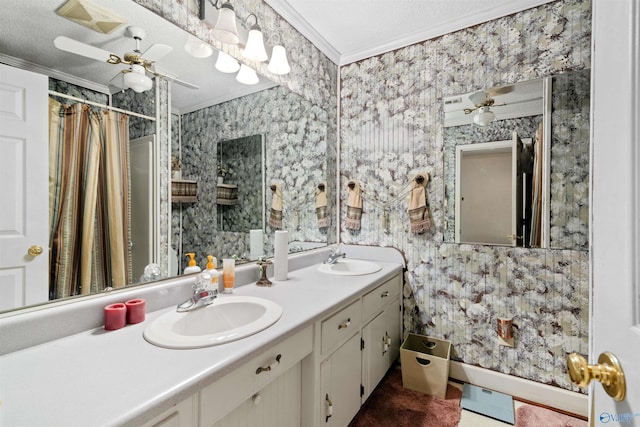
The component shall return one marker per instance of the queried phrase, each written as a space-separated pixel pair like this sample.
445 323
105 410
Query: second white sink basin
350 267
227 319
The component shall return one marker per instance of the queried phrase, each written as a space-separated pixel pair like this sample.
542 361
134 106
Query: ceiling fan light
225 30
226 63
137 80
484 116
254 50
197 48
279 64
247 75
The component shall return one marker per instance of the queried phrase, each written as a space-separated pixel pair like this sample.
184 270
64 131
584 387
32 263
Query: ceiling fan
139 63
484 98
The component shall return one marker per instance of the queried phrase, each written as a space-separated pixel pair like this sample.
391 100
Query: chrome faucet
334 257
200 298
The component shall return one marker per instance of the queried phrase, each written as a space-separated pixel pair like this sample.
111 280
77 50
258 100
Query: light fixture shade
254 50
197 48
225 29
137 80
226 63
484 116
279 64
247 75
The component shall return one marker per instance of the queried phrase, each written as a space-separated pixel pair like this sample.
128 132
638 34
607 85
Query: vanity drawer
340 326
374 301
224 395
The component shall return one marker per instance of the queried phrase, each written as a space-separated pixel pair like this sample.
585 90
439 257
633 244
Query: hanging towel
275 215
354 206
321 205
419 218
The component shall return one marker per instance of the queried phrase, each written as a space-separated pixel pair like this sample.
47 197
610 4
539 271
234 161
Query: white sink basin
227 319
350 267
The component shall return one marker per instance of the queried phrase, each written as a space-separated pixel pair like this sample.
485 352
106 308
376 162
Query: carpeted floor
392 405
535 416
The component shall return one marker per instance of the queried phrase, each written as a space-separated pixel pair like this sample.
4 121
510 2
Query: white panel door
615 212
24 215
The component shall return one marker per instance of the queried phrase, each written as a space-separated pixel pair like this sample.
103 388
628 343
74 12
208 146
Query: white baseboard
553 397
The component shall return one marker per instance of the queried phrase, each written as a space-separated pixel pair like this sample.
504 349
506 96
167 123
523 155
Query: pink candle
135 310
115 316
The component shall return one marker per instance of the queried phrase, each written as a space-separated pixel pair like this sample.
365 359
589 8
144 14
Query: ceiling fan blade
478 98
83 49
162 73
156 52
499 90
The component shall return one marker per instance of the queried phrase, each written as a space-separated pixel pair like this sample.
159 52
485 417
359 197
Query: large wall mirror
293 136
517 164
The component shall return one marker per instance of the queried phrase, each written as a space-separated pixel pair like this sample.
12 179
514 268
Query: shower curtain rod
97 104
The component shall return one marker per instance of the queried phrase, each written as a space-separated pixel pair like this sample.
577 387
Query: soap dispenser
192 268
211 269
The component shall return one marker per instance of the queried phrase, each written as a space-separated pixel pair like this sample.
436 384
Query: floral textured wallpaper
297 138
391 126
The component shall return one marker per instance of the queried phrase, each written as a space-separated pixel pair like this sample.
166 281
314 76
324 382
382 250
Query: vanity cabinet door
381 344
340 384
278 404
183 414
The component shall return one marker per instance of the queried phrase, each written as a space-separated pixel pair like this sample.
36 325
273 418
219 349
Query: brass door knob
608 372
35 250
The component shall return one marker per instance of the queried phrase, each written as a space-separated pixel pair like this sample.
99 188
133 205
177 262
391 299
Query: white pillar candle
281 255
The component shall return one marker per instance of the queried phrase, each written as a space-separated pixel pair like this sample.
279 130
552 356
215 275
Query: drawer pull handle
271 367
345 324
386 343
384 294
328 408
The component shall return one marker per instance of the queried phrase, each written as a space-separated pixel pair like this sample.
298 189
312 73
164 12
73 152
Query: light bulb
279 64
247 75
226 63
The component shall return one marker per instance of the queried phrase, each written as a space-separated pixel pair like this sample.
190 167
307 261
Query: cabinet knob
384 294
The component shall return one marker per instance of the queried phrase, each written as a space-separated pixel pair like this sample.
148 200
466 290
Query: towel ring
351 185
419 179
273 187
321 187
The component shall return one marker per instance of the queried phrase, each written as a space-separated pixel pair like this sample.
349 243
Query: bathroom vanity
337 336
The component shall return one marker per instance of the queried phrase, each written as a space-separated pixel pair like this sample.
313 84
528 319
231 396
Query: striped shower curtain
89 206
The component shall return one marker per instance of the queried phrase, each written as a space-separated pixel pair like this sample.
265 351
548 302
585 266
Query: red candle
135 310
115 316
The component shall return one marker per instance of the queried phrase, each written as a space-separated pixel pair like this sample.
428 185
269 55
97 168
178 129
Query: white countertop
99 377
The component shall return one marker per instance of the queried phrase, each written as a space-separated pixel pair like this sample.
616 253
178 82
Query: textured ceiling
351 30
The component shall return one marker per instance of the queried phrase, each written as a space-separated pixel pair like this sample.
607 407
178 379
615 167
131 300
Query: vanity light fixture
226 63
137 79
197 48
254 50
247 75
484 116
279 64
225 30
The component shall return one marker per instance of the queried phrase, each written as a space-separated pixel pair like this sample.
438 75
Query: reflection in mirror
293 127
295 135
552 177
240 194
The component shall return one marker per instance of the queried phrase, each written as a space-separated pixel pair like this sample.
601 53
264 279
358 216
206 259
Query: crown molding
285 10
291 15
